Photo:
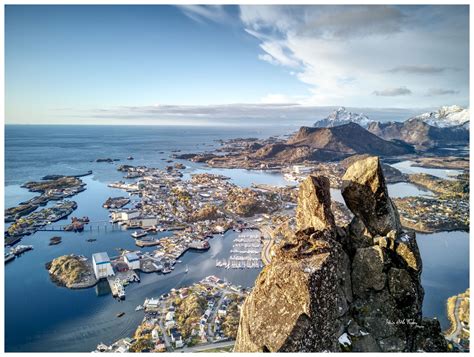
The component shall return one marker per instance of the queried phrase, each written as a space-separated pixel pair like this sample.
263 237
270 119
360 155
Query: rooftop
132 257
101 258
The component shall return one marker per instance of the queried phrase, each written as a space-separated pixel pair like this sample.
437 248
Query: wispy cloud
203 13
392 92
421 69
440 91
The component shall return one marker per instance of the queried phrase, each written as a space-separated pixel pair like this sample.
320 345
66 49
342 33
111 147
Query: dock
118 282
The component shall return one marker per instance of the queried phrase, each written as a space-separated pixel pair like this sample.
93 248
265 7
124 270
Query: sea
42 317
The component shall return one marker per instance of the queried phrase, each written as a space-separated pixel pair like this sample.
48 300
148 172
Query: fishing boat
139 234
139 308
120 314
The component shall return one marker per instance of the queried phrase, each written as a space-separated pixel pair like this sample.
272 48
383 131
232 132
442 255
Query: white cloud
200 13
392 92
342 52
441 91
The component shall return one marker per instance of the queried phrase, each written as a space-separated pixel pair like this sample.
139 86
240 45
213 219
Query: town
205 314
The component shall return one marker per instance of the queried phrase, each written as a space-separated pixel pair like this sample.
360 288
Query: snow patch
341 116
345 340
446 116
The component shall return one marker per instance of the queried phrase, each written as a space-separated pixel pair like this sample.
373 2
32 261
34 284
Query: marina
245 253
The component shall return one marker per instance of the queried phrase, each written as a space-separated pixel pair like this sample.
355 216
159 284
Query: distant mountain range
349 138
340 117
447 126
335 143
446 116
421 134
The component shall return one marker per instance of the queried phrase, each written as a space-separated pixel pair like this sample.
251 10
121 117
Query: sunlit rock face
353 288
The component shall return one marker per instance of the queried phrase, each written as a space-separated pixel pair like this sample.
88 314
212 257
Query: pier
118 282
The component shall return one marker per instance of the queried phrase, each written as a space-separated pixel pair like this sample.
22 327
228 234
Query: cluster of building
164 329
119 272
194 209
297 173
433 214
34 221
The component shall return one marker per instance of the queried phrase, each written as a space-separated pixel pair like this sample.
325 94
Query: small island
72 271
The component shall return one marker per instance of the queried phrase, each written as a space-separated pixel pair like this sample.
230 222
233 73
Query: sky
209 65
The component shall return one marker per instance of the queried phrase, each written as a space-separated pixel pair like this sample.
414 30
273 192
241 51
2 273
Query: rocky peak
366 195
314 204
342 116
323 291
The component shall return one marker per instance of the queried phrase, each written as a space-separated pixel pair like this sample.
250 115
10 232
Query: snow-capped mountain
340 117
446 116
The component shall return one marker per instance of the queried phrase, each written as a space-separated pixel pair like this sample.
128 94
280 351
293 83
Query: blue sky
166 64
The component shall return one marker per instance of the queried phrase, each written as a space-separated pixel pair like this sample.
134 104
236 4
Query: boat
9 257
19 249
139 234
139 308
120 314
91 240
54 240
121 294
199 245
166 270
187 269
147 242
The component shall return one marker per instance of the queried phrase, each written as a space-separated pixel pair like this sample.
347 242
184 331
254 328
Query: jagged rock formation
353 288
366 195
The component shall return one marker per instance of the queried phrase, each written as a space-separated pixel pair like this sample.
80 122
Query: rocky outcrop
352 288
71 271
313 210
366 195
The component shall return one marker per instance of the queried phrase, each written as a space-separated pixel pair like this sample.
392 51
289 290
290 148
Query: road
458 329
207 346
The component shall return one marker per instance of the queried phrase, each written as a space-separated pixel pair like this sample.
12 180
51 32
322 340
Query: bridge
91 226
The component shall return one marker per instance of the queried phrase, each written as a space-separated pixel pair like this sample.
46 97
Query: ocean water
39 316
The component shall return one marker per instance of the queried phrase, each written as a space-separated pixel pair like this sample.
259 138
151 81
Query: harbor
245 253
95 316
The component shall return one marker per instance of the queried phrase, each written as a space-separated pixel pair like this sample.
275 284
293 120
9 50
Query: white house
155 333
132 260
124 215
142 222
102 266
169 316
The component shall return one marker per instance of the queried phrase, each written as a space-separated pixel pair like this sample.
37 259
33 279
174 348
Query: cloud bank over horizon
261 114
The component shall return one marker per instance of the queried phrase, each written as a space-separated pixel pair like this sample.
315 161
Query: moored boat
147 242
9 257
139 234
